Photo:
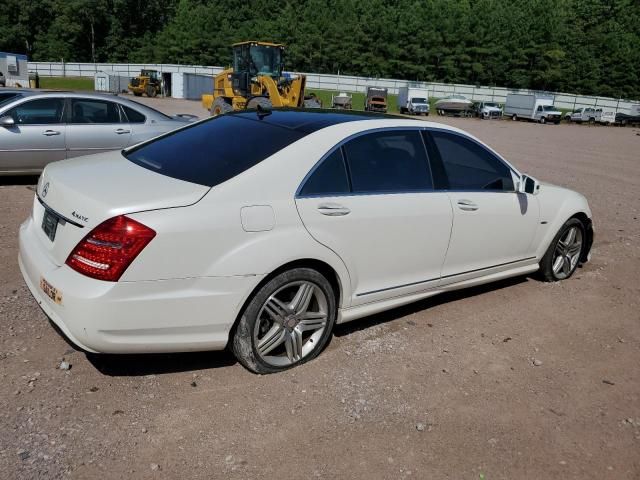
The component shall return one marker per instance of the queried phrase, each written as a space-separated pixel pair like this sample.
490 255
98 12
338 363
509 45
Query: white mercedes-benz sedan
262 230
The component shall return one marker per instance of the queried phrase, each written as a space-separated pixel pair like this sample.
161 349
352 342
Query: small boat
455 104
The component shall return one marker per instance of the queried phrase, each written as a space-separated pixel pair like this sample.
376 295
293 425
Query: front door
36 138
372 202
493 226
95 126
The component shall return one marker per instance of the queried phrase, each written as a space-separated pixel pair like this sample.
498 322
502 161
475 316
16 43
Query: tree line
590 47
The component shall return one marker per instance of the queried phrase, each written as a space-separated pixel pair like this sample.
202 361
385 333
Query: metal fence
337 83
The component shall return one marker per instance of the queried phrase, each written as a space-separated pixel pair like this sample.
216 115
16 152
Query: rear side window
214 151
94 111
330 178
391 161
43 111
133 115
467 165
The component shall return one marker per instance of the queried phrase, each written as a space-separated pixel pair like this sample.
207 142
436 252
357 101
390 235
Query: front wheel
543 120
563 255
220 107
514 117
286 323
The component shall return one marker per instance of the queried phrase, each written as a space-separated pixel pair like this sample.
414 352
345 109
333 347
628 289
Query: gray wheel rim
567 253
290 323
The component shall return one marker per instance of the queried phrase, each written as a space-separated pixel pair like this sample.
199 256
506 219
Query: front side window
94 111
43 111
391 161
466 165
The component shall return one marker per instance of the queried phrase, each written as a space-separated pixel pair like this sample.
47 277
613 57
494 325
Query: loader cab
253 59
152 74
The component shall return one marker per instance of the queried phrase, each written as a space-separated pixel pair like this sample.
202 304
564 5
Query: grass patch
67 83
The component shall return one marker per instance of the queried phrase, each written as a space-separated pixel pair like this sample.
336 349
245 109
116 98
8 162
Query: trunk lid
83 192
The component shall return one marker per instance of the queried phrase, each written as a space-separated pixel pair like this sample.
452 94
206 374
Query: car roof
309 120
95 95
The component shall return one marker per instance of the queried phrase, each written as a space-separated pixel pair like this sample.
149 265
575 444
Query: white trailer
532 106
413 100
110 82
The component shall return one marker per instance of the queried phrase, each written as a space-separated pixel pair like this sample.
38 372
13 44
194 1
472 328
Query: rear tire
514 117
276 332
261 102
220 107
563 255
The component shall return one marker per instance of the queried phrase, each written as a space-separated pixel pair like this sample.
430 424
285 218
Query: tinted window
469 166
214 151
393 161
43 111
94 111
329 178
134 116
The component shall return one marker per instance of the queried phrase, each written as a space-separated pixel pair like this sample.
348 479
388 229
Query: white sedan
262 230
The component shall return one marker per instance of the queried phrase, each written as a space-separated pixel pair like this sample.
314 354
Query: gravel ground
515 380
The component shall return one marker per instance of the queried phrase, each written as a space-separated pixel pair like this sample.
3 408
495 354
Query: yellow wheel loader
148 82
256 80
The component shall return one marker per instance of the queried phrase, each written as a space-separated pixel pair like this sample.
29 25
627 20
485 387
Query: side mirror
529 185
7 121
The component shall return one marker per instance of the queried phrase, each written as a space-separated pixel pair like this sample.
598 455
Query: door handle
121 131
333 209
49 133
467 205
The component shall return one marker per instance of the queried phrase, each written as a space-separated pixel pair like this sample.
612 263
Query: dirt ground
442 389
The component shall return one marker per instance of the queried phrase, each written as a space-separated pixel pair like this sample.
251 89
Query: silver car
37 127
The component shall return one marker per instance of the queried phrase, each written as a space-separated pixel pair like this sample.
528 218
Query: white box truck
532 106
413 100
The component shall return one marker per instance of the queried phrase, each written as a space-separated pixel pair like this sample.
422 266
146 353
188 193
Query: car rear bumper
174 315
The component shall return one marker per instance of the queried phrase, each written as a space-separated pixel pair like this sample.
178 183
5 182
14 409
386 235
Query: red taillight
107 251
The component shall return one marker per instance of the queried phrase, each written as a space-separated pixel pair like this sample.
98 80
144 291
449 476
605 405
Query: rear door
493 225
372 202
37 138
94 126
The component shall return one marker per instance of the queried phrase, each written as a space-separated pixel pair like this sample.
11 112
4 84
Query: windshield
548 108
186 154
258 60
5 97
418 100
490 104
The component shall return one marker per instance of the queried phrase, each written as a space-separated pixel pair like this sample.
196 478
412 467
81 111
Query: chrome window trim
400 192
375 192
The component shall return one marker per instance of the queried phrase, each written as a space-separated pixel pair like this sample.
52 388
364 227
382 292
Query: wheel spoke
312 321
293 345
274 337
566 265
276 309
575 248
302 298
571 236
557 264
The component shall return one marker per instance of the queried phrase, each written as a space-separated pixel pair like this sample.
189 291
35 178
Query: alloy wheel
290 323
567 253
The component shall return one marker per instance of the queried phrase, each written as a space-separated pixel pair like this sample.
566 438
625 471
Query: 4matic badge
79 217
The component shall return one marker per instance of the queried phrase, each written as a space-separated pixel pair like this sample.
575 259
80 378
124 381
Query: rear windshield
214 151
